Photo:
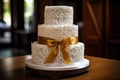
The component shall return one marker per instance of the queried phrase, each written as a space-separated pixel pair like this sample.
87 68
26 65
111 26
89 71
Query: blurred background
98 22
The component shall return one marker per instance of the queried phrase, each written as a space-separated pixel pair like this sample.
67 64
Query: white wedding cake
58 28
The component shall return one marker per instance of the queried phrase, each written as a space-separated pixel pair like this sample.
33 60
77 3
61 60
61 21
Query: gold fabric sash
55 44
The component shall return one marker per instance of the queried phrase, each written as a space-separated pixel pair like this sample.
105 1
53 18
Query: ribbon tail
65 55
53 54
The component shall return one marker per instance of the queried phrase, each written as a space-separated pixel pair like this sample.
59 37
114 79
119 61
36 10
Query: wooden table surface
100 69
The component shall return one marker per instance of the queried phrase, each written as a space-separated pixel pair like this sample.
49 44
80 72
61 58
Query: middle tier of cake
58 31
40 53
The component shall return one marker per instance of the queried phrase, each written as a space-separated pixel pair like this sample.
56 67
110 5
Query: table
13 68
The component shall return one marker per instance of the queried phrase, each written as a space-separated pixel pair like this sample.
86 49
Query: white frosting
40 53
58 15
58 31
58 24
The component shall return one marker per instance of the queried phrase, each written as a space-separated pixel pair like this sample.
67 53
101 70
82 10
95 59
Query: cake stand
57 71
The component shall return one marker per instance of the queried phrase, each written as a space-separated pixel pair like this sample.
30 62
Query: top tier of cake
58 15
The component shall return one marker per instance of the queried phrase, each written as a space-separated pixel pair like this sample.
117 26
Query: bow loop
52 43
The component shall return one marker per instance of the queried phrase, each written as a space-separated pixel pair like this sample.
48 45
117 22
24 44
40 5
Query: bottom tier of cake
40 53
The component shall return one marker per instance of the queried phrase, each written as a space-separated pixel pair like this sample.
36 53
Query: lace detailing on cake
60 31
58 15
40 53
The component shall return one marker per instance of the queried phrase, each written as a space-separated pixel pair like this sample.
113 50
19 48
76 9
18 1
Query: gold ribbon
54 45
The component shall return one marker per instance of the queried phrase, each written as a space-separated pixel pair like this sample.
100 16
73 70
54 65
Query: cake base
56 71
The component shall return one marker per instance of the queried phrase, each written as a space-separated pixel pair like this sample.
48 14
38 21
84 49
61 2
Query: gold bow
54 45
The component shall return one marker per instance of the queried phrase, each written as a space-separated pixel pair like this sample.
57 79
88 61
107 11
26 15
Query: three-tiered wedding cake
57 44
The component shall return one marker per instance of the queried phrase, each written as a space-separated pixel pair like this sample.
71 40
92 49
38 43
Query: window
6 14
28 13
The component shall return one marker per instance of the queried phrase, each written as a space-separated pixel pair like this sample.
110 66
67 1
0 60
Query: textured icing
40 53
58 31
58 15
58 24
